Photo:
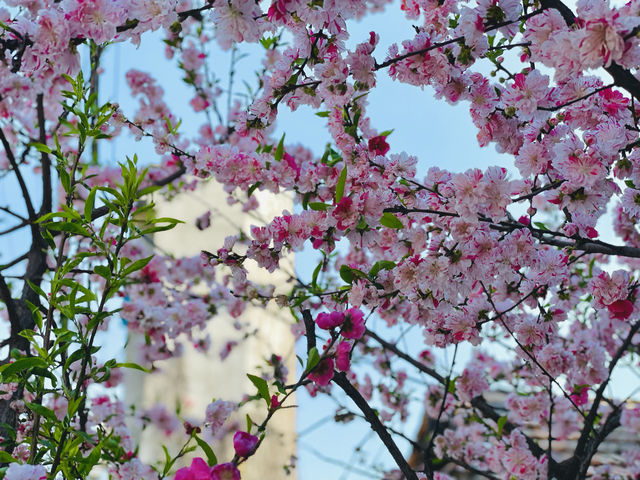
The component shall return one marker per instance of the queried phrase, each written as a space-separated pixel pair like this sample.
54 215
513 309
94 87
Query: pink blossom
620 309
327 321
198 470
218 413
225 471
342 356
323 372
17 471
353 326
244 443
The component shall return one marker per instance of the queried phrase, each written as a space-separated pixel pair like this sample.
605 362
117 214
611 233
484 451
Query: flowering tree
493 259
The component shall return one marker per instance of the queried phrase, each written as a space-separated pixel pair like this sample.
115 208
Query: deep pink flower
342 358
225 471
244 443
323 373
327 321
199 470
580 396
620 309
379 145
353 326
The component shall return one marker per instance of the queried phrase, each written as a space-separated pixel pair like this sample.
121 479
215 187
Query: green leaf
381 265
41 147
322 114
48 216
168 463
42 410
20 365
6 457
279 150
305 200
89 204
313 359
340 185
386 133
137 265
103 271
262 386
346 274
37 289
540 225
319 206
249 423
68 227
253 188
390 220
316 272
211 457
451 387
501 423
43 372
133 366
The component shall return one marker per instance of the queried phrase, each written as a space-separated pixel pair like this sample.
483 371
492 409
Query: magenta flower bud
327 321
343 362
244 443
225 471
323 372
353 326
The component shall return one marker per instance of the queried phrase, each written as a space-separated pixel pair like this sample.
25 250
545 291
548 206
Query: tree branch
420 366
340 379
47 190
19 177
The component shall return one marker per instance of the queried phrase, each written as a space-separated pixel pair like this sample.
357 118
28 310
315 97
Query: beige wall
194 379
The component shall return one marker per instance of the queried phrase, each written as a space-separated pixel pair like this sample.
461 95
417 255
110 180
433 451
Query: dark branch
340 379
47 190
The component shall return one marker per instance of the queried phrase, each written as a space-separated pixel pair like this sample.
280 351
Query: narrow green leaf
253 188
211 457
451 388
390 220
68 227
341 182
89 204
322 114
279 150
501 423
540 225
316 272
137 265
262 386
20 365
249 423
41 147
313 359
132 365
42 410
346 274
319 206
381 265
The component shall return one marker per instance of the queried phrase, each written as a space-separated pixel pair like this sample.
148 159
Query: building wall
195 379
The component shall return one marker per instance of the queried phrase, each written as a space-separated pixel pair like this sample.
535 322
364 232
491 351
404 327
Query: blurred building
194 379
